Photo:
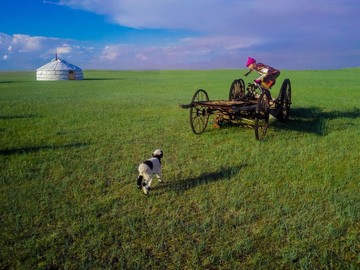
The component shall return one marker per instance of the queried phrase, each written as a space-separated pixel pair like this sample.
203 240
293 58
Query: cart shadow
182 185
25 150
313 120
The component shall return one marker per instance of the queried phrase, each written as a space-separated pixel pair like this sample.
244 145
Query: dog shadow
181 185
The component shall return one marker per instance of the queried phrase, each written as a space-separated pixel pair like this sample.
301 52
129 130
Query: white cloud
142 57
25 50
223 42
25 43
64 49
182 54
110 53
219 16
200 15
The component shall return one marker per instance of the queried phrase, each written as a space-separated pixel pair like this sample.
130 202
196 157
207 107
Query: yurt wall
58 69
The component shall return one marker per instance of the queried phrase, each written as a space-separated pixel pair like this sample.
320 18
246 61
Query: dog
147 169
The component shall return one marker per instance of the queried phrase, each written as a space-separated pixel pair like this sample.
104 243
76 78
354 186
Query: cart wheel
262 116
251 90
285 101
237 89
198 115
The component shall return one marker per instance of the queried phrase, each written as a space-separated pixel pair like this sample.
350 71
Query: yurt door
71 75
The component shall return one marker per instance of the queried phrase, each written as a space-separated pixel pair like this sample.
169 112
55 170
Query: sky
180 34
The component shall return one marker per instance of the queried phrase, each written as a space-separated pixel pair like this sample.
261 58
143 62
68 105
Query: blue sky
180 34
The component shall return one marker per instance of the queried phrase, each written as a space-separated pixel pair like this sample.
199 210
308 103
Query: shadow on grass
102 79
313 120
25 150
205 178
305 120
18 116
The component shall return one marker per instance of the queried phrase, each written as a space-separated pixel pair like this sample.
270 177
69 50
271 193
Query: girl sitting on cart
268 75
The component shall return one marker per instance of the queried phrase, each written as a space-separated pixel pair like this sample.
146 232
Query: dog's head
157 153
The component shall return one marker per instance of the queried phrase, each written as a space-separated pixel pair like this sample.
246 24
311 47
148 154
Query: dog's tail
139 181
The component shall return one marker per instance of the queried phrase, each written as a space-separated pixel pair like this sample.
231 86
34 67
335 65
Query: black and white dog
148 168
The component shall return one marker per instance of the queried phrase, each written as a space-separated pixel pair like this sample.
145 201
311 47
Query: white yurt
58 69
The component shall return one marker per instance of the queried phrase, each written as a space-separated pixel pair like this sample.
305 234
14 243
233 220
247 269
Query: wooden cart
252 104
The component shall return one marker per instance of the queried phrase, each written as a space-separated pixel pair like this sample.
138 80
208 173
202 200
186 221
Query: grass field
69 152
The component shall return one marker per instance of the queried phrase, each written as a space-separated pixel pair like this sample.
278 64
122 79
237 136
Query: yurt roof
59 64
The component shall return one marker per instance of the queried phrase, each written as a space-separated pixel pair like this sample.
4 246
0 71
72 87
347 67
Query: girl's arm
247 73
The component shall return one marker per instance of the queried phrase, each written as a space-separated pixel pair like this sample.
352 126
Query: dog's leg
149 182
159 177
139 181
146 183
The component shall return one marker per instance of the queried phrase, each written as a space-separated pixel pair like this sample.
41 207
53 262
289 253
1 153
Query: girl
268 75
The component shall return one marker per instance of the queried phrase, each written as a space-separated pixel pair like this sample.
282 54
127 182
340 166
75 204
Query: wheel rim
199 115
237 89
262 116
285 100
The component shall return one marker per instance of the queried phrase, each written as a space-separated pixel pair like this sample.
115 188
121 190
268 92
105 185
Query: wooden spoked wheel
285 101
199 115
237 89
262 116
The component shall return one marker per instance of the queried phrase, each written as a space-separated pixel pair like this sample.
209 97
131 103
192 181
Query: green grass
69 152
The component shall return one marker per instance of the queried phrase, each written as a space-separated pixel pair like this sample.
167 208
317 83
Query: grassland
69 152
